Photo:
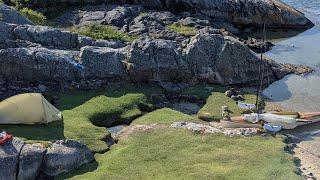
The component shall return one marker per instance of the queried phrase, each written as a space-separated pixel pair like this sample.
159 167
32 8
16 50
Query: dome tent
30 108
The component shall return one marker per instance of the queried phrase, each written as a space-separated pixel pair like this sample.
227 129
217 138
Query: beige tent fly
31 108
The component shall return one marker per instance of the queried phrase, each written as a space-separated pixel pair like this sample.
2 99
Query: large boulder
103 62
9 159
40 64
31 158
274 13
64 156
156 60
121 15
224 60
10 15
47 36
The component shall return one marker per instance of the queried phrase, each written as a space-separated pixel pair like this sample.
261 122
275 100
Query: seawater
294 92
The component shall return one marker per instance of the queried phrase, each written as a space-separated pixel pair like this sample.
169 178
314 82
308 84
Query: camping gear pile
5 137
271 122
274 122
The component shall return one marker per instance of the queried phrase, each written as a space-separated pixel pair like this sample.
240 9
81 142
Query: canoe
287 120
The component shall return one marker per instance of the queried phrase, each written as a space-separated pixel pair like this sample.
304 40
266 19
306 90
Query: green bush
103 32
34 16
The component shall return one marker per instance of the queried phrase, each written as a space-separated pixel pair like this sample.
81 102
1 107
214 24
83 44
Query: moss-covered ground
215 99
164 116
182 29
84 112
161 153
105 32
180 154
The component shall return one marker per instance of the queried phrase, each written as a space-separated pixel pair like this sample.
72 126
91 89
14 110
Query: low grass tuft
164 116
105 32
212 110
33 16
215 98
182 29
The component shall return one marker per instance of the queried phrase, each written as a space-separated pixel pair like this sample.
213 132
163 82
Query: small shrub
182 29
103 32
34 16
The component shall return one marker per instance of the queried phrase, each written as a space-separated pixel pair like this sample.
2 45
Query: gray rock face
156 60
109 43
39 64
103 62
31 158
47 36
121 15
242 12
9 159
194 22
66 155
223 60
201 54
10 15
5 32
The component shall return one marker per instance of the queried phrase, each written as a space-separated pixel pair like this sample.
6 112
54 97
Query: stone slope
274 13
33 54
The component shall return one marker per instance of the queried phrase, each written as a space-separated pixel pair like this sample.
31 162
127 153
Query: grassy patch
180 154
181 29
212 109
215 99
33 16
103 32
81 110
163 116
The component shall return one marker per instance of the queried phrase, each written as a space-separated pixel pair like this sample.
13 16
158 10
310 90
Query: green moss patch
164 116
180 154
105 32
182 29
212 110
33 16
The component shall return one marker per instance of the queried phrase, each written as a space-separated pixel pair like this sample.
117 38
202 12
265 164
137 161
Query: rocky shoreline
39 56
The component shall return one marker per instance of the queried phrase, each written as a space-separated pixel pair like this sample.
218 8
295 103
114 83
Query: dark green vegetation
181 29
103 32
33 16
179 154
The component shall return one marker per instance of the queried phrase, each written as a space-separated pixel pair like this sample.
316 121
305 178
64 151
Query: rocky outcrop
10 15
30 161
47 36
39 64
21 161
156 60
274 13
66 155
103 62
121 15
224 60
9 159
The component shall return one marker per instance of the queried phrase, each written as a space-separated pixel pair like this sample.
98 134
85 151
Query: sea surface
299 93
